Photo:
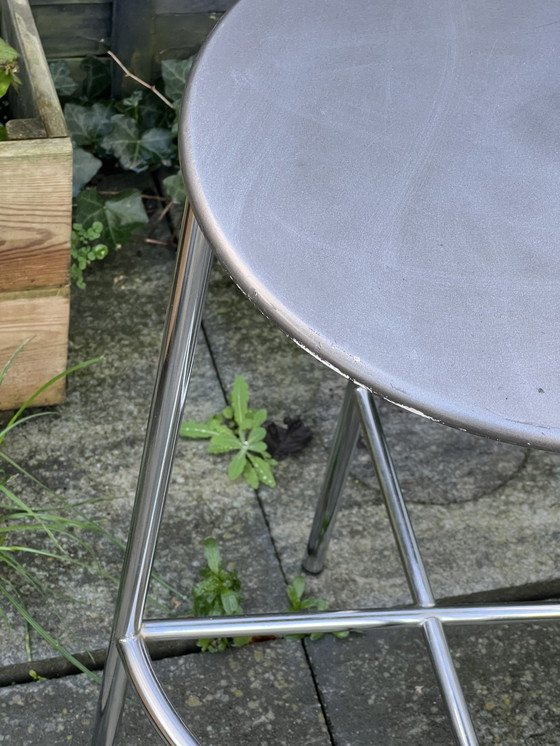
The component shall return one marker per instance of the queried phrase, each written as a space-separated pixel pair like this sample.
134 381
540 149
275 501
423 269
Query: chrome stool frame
128 657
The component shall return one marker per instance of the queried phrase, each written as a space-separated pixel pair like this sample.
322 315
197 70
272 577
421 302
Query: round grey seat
383 182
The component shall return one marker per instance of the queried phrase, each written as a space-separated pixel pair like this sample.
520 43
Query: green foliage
46 532
138 132
119 214
88 125
295 592
8 67
53 532
175 74
63 81
175 188
103 223
84 250
238 428
217 594
85 166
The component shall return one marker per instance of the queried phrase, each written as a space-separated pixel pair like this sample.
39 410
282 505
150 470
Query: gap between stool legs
177 354
414 569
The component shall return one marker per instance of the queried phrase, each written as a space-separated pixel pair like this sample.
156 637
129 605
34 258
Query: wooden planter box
35 222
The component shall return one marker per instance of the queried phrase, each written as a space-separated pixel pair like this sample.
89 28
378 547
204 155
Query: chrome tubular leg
176 359
448 682
342 448
398 514
414 568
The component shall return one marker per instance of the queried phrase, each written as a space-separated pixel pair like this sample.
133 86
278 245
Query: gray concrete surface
486 516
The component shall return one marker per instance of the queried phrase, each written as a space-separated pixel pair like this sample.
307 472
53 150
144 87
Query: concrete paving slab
379 687
261 695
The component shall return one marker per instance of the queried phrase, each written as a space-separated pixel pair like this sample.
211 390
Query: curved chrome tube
160 710
160 630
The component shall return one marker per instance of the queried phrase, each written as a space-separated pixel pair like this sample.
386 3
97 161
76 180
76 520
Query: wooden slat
179 36
181 7
35 212
44 319
38 3
38 96
131 41
70 30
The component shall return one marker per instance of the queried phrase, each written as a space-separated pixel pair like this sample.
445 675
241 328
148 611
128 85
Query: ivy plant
137 133
238 429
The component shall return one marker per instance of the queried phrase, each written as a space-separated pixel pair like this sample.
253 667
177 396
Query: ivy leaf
88 124
96 83
175 74
62 78
174 187
119 214
237 464
158 146
131 104
239 399
84 167
212 554
152 112
3 135
123 141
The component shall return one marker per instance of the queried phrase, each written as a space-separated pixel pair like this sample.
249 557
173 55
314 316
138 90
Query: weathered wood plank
131 41
180 7
37 3
74 30
35 212
179 36
43 320
37 97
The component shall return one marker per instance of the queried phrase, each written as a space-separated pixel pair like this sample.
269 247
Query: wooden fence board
177 37
74 29
176 7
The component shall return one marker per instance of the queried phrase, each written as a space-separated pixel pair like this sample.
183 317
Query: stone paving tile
261 695
380 687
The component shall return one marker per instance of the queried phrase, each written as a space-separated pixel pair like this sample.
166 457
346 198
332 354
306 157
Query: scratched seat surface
383 180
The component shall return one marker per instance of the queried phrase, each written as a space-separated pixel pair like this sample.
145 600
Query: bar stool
379 179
